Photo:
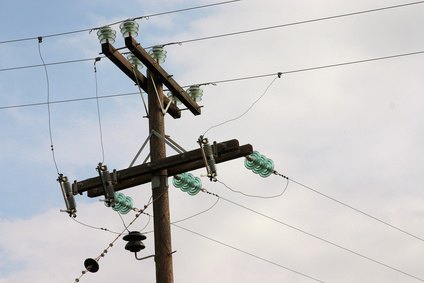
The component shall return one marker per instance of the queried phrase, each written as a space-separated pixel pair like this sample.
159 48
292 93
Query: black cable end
279 74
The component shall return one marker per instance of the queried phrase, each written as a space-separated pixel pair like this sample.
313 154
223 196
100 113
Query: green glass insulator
173 98
195 92
129 28
178 180
251 161
158 53
106 34
259 164
135 62
268 169
187 183
123 204
197 186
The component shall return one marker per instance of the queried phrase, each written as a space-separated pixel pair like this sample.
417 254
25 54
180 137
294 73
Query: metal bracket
157 95
170 142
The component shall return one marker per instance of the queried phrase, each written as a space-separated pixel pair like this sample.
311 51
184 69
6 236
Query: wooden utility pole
161 219
160 166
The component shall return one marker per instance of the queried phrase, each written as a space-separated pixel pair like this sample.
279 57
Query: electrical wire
98 110
356 209
118 22
94 227
255 196
40 40
189 217
223 81
197 214
248 253
247 110
207 37
123 221
49 64
293 23
323 240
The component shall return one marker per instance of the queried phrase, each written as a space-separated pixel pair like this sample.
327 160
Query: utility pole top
166 79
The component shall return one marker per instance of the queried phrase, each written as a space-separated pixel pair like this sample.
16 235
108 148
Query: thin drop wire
357 210
192 216
324 240
255 196
93 227
247 110
123 221
147 224
118 22
98 111
248 253
199 213
48 105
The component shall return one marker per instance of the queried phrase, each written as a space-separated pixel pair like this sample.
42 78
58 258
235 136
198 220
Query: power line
247 110
358 210
255 196
208 37
48 105
248 253
118 22
294 23
212 82
323 240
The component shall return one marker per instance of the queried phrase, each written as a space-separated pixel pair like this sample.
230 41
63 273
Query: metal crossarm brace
135 75
166 79
175 164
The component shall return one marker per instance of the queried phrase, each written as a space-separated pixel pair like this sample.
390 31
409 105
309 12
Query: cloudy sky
349 138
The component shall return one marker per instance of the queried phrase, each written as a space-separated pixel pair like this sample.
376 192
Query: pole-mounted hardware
68 196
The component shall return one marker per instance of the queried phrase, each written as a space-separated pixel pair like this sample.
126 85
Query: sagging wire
123 221
278 75
94 227
189 217
40 40
97 59
255 196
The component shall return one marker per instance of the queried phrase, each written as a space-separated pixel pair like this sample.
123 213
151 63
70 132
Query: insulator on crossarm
158 53
67 195
108 189
259 164
106 34
187 183
123 204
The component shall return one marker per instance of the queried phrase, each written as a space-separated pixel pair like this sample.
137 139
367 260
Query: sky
348 137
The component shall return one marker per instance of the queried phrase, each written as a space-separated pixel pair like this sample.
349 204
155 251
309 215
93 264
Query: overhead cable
118 22
248 253
323 240
225 80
